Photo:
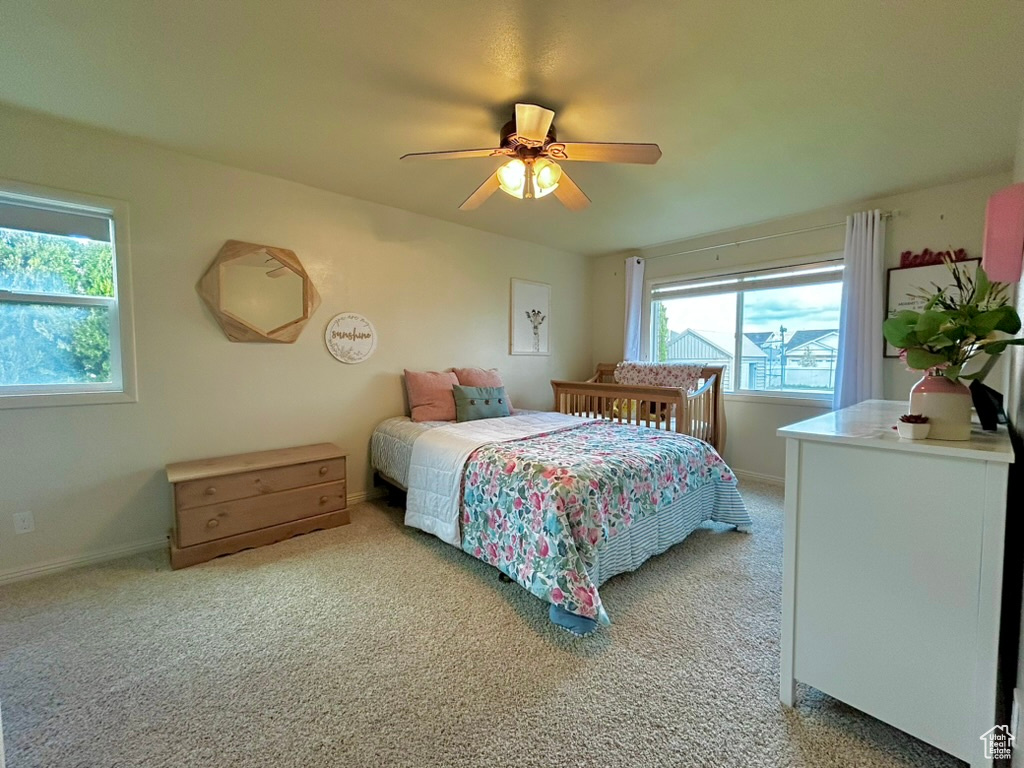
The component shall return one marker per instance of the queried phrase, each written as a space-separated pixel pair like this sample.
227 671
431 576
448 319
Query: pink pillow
478 377
430 395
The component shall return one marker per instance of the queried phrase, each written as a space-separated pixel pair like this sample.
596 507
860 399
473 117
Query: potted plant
913 426
972 318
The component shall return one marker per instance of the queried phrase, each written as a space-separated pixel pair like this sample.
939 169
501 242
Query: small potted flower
913 426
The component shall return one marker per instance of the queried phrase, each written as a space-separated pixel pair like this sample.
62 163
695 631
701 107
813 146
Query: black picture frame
903 279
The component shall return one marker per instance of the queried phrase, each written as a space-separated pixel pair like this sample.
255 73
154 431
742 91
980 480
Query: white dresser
893 572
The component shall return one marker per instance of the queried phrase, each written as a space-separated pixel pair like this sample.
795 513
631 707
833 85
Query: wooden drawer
243 485
200 553
228 518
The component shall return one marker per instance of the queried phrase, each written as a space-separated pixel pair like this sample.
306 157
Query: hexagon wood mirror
258 293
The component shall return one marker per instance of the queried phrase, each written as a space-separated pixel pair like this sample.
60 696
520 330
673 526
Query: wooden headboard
700 413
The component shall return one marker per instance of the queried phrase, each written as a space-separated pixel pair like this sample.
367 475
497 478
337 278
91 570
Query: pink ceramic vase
946 403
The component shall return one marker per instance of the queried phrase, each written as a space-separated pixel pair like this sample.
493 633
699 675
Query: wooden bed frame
700 413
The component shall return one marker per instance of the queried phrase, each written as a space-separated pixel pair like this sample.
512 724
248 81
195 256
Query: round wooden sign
350 337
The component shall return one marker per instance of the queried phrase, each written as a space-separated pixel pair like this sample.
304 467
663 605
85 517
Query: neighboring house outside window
65 310
788 321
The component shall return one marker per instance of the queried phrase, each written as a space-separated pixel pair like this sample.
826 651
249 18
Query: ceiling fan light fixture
512 177
546 174
530 139
529 179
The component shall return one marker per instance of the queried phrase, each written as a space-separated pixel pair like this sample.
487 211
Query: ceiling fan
529 139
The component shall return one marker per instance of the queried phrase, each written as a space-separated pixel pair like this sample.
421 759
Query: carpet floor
376 645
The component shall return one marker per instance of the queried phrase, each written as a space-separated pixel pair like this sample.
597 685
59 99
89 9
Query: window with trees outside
776 331
65 336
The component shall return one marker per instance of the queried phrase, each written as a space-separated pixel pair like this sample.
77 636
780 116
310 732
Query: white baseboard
370 495
742 474
67 563
99 556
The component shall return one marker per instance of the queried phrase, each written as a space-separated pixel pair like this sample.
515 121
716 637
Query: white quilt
439 456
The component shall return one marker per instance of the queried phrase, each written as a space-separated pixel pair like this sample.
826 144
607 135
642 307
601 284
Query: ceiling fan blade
570 195
484 191
455 154
532 124
597 152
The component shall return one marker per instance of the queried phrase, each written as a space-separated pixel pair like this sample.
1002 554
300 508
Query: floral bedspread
538 509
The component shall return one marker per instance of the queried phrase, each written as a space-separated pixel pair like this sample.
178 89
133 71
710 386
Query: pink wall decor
927 257
1003 250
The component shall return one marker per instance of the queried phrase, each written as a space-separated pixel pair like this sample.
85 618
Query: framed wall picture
530 318
904 282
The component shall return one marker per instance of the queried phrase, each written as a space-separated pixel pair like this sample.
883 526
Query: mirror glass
261 291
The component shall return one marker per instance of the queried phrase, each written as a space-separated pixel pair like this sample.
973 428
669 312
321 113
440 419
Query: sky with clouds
798 308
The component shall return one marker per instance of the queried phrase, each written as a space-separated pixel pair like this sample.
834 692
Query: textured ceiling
762 109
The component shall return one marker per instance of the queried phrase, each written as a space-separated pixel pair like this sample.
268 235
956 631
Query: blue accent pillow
472 403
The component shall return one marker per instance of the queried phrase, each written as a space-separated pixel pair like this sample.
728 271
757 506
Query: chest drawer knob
212 523
323 470
324 499
210 491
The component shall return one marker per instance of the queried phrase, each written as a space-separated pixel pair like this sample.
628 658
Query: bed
558 502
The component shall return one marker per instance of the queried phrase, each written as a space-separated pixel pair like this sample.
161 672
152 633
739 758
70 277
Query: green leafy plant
42 344
970 318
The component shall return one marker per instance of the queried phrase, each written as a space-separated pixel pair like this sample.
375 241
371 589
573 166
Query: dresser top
247 462
870 424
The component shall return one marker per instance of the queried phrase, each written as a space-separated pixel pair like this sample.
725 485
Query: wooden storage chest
227 504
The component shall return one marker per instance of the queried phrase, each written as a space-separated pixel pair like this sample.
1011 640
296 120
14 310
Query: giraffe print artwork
536 318
530 318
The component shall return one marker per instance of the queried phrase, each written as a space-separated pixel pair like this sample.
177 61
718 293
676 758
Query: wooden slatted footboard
700 413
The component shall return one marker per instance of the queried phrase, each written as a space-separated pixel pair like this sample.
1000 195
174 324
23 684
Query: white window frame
123 387
823 399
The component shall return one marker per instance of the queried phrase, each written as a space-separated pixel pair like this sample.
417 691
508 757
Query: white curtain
859 369
634 307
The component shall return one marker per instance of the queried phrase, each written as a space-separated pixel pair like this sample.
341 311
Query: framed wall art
530 318
906 284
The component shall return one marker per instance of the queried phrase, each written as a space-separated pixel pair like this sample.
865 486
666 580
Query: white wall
438 294
947 216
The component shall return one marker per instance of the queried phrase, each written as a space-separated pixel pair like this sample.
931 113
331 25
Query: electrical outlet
23 522
1015 714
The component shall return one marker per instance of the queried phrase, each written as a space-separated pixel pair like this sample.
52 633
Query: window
65 326
781 324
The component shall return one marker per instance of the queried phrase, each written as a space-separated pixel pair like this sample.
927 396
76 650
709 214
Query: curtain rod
885 215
